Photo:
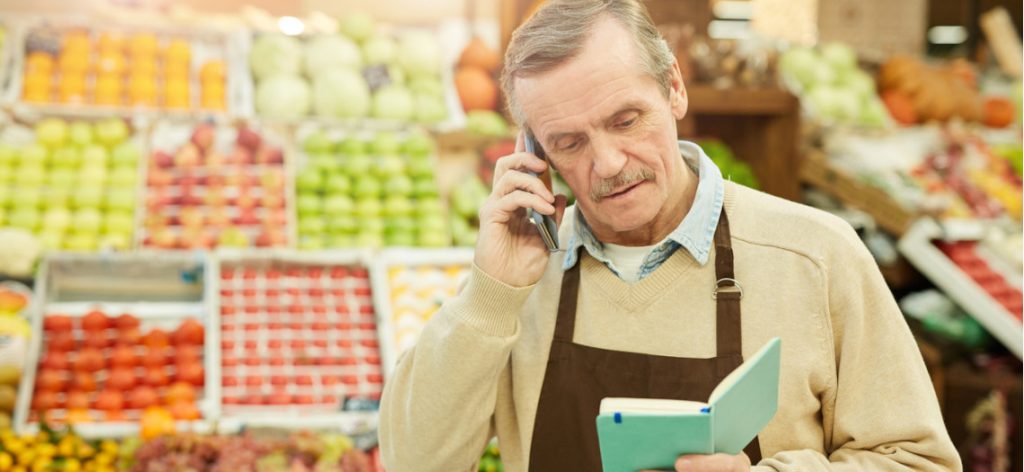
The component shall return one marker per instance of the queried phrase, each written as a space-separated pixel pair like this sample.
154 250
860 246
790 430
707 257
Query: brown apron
578 377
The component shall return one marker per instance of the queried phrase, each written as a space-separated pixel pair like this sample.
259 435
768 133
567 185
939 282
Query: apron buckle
735 287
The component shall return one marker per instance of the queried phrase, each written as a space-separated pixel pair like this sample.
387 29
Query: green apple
57 197
401 224
308 205
367 208
397 206
122 199
67 157
357 165
5 196
425 188
317 143
126 154
389 165
366 187
92 176
62 178
116 241
80 133
80 242
86 221
398 185
51 132
24 218
118 222
310 180
400 239
30 175
87 196
418 144
337 184
33 154
351 146
420 167
51 240
342 224
311 225
6 175
372 225
369 240
432 239
111 131
56 219
94 155
311 243
325 162
340 241
123 177
8 154
26 198
336 205
385 142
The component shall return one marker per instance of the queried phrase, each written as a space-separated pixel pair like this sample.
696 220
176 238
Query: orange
156 421
107 90
176 70
39 62
110 63
71 62
111 43
213 90
212 102
37 81
76 42
72 88
142 65
212 71
36 94
178 50
176 93
143 44
142 90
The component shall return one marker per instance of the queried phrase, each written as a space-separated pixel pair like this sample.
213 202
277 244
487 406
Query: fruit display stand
381 76
215 184
71 67
364 188
977 266
298 340
409 286
99 371
73 183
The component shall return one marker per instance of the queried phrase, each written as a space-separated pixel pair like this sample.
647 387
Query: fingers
515 180
519 160
510 204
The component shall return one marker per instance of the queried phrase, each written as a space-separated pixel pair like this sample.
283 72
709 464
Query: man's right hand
509 248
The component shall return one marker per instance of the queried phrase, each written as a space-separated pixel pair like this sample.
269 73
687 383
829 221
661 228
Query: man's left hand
712 463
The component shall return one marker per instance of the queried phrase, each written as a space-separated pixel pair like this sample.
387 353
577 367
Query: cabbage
330 51
341 92
274 54
838 104
429 108
859 82
798 64
282 96
427 85
419 54
393 103
379 50
357 25
839 56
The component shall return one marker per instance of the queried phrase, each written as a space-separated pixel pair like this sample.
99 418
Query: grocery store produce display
77 66
59 450
368 190
71 183
832 85
301 335
360 73
96 367
15 333
215 185
731 167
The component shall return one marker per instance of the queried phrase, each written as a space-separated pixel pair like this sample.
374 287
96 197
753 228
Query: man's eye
626 123
569 146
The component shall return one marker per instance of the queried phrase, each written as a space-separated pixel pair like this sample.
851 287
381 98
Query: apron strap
727 293
565 323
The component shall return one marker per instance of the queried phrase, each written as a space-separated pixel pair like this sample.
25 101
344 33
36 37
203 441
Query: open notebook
645 433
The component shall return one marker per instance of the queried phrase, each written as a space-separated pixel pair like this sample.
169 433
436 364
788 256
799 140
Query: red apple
248 139
239 155
269 155
187 157
162 159
203 135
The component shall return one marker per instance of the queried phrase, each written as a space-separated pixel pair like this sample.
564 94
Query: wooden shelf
706 100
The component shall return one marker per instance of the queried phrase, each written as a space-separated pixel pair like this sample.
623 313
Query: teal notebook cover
640 433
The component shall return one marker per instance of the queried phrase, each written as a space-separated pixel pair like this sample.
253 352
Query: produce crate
980 280
366 188
70 67
298 340
409 287
215 184
890 215
76 186
159 293
375 76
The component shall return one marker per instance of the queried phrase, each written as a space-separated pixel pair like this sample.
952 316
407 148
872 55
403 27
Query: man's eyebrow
632 105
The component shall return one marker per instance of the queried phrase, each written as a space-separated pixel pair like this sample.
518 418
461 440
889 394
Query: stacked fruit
14 336
302 335
965 255
74 185
491 460
369 193
416 294
357 74
59 451
218 186
81 66
96 367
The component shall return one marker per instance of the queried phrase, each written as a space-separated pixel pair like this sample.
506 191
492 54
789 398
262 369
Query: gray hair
556 32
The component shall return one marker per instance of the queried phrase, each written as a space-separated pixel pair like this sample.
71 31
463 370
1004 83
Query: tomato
123 356
51 380
55 360
95 320
181 392
89 359
121 378
77 400
185 411
61 341
156 421
156 338
191 372
57 323
126 321
84 382
109 401
143 397
190 332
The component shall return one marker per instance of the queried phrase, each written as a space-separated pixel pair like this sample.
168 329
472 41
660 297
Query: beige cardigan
854 392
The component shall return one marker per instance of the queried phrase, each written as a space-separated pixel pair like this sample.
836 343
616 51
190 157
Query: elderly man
670 276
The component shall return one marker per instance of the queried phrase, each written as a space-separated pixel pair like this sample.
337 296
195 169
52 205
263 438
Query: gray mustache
607 186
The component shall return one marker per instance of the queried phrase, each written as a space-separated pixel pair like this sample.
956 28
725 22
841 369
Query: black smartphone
544 223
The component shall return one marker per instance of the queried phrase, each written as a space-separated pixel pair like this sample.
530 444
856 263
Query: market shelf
990 293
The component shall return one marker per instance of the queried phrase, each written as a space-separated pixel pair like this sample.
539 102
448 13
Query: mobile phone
545 224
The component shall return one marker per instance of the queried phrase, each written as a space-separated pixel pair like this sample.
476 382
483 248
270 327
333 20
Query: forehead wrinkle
624 95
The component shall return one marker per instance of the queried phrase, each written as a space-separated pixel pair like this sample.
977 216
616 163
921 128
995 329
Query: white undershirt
627 259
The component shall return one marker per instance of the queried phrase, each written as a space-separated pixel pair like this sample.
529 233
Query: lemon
6 461
46 450
26 457
72 465
110 446
85 451
41 464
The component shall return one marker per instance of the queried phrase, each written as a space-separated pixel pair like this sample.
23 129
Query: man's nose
608 157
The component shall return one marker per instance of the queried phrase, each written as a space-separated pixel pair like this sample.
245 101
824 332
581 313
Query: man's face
609 129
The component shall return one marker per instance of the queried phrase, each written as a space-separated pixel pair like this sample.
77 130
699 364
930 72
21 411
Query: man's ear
677 97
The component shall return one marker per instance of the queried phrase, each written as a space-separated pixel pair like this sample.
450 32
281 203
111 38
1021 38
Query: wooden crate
887 212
